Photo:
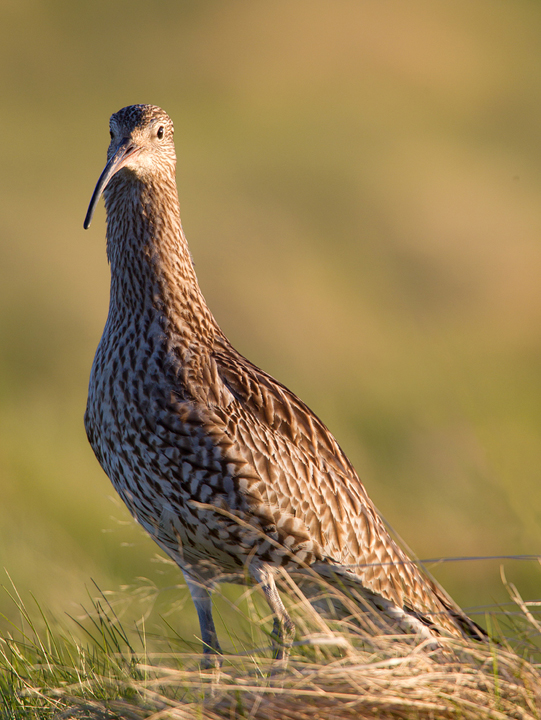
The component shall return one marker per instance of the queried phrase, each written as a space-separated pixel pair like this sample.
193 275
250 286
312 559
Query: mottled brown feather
219 462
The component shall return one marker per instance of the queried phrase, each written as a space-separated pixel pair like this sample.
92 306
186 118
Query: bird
226 468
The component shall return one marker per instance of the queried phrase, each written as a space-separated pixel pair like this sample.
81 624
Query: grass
105 667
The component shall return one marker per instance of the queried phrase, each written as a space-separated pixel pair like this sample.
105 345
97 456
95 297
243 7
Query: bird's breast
154 440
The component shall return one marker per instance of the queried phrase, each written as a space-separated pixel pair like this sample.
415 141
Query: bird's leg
283 630
203 604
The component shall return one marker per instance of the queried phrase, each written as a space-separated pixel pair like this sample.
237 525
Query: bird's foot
282 637
211 660
211 665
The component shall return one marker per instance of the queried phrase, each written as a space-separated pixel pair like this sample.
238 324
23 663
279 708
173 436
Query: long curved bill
124 151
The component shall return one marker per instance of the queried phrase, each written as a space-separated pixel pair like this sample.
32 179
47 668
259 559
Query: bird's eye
160 133
111 133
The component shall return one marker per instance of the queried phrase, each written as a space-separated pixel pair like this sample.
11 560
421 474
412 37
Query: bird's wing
310 486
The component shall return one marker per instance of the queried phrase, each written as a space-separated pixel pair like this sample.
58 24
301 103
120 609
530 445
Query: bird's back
310 495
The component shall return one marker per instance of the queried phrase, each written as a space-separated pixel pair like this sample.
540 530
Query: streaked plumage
180 421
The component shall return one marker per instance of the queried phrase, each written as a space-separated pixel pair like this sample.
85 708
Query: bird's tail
340 595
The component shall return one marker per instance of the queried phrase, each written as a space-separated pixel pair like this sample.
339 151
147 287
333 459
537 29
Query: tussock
338 669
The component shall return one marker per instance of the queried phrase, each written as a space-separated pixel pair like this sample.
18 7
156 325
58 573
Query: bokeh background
360 184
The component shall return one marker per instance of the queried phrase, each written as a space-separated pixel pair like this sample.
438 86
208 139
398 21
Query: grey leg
203 604
283 629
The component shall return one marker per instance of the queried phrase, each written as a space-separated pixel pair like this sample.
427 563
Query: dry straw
342 667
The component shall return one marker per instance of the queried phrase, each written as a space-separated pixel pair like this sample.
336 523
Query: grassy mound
103 668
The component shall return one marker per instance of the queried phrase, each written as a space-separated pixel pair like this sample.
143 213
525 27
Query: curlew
223 466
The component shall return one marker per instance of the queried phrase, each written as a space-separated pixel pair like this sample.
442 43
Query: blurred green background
360 184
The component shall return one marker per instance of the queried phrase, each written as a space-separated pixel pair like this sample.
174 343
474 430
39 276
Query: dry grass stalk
340 669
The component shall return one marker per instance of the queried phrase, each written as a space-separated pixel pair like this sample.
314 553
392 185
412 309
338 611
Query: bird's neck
151 267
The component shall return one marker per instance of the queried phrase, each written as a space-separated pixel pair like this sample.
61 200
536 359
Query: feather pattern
220 463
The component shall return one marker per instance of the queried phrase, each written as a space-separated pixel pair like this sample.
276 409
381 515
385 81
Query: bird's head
141 144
